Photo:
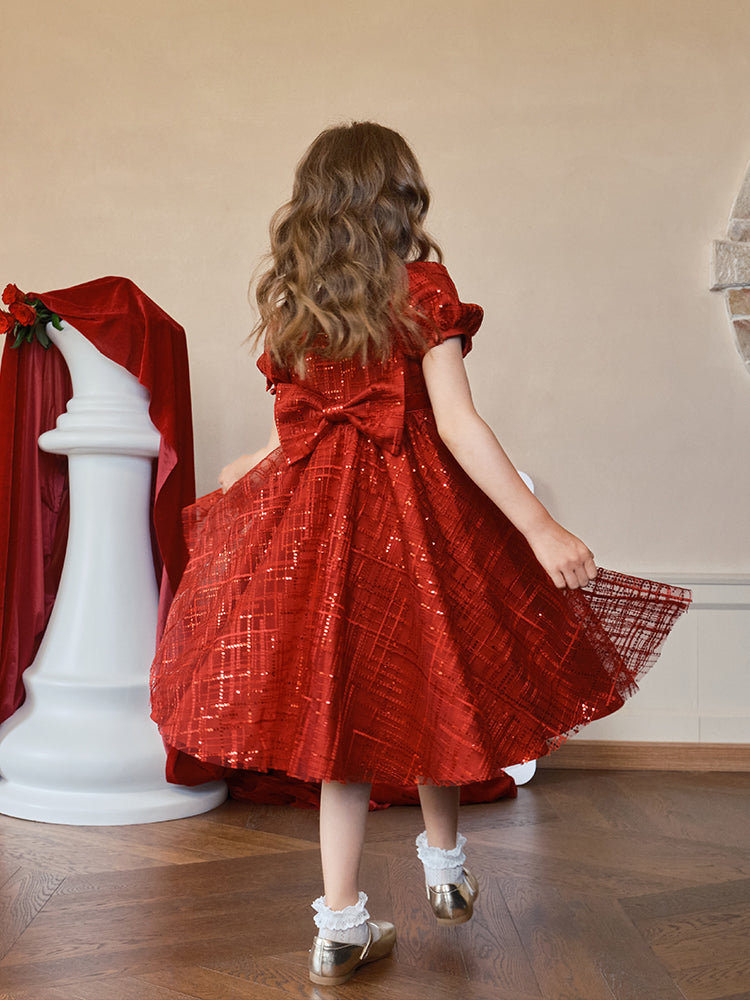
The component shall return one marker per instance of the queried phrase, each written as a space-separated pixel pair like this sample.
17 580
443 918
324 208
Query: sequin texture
356 609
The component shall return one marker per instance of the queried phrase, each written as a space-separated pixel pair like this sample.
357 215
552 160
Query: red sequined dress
356 609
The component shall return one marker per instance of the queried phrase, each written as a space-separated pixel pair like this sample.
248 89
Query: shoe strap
368 945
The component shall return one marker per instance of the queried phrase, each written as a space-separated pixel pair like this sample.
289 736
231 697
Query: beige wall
582 156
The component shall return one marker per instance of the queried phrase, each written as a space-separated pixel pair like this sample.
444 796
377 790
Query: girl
377 596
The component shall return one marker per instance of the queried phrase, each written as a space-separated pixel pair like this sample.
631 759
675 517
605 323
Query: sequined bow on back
303 416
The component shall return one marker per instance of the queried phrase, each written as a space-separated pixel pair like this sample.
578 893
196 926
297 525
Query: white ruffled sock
347 926
442 867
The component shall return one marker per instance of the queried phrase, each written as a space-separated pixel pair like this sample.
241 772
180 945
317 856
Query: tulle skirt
367 616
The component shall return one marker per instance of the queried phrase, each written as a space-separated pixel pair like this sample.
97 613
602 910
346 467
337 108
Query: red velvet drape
33 509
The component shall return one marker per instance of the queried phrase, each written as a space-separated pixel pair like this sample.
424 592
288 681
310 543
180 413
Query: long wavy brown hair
336 283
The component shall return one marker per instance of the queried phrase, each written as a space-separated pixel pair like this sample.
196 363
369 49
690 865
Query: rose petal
25 314
12 294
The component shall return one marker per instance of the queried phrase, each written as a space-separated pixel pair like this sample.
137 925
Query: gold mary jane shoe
332 963
454 904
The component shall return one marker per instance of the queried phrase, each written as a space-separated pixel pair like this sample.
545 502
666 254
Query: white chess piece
82 748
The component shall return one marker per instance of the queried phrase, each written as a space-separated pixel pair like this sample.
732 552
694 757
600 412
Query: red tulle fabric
356 609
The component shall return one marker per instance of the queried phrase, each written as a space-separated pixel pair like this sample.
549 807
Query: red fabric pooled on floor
279 789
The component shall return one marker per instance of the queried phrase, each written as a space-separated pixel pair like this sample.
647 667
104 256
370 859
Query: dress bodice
375 396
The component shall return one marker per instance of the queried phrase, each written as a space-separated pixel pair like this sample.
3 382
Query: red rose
12 294
25 314
6 322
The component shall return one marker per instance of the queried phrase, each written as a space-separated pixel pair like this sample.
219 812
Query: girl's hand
231 473
567 560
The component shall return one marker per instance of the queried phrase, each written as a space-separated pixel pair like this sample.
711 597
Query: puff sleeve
433 296
273 372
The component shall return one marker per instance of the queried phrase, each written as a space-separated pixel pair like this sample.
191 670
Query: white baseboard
698 692
588 755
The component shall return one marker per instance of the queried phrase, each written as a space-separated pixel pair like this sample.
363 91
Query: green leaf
43 339
56 321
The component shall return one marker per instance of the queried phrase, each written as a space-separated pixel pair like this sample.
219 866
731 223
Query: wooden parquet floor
595 885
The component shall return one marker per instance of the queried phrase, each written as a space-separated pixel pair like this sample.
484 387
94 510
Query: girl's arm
565 557
242 465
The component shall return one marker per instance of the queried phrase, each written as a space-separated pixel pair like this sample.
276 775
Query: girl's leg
451 889
343 815
346 937
440 813
440 847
